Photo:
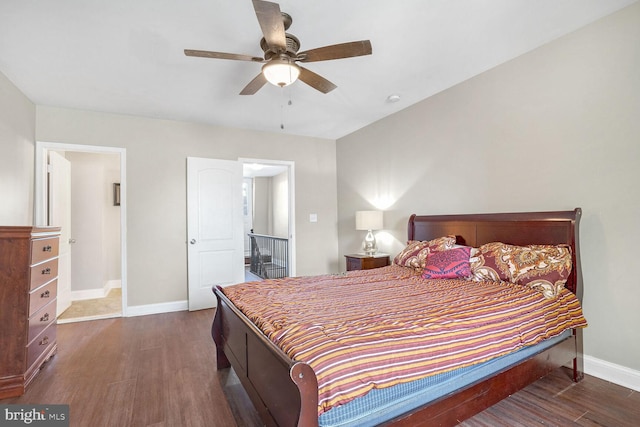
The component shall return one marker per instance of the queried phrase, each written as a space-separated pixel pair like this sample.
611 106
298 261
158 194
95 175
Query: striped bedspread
377 328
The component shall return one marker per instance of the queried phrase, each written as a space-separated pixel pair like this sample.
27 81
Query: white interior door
60 215
214 228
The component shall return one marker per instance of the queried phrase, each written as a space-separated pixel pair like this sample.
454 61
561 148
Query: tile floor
91 309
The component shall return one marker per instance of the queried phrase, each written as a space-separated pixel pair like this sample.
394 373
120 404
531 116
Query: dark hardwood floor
159 370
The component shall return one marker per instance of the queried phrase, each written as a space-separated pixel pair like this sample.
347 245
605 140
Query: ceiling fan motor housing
293 45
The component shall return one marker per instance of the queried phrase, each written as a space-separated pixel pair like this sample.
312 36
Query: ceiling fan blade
254 85
316 81
336 51
222 55
271 23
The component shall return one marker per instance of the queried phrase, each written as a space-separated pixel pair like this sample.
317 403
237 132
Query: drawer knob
46 248
44 341
46 271
45 318
45 294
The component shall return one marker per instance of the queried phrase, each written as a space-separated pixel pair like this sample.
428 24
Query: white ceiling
126 56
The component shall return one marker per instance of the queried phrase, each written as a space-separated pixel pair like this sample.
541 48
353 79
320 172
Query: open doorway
96 233
216 204
268 192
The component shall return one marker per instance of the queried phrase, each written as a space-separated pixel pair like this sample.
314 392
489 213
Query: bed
285 391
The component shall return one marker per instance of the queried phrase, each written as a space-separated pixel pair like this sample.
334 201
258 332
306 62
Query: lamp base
369 244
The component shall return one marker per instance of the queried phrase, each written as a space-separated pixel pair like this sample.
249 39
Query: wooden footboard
284 392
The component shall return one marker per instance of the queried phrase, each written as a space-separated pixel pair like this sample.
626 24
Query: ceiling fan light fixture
281 72
281 53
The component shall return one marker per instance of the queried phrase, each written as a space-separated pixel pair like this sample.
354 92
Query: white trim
164 307
40 203
617 374
95 293
88 294
113 284
292 204
292 219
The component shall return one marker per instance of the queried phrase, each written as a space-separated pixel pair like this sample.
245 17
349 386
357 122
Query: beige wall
262 204
17 127
156 189
280 190
271 205
554 129
95 221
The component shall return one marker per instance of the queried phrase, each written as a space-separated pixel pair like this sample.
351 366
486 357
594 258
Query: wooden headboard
522 228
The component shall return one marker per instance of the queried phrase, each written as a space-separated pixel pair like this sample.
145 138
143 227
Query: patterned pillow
542 267
488 263
415 253
450 264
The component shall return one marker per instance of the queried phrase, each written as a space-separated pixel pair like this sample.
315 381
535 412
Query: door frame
247 244
61 210
42 149
290 165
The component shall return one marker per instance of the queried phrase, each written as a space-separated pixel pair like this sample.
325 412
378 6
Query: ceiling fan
281 53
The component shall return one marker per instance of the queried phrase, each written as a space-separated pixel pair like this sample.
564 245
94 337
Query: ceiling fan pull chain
282 107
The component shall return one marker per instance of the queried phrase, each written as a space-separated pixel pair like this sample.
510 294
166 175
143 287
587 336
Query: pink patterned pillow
450 264
415 253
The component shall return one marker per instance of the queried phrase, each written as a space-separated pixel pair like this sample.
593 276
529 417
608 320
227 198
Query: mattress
380 405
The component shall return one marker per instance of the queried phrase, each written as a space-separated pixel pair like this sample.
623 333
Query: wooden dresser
28 290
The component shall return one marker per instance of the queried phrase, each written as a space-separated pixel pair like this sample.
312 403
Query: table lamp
369 220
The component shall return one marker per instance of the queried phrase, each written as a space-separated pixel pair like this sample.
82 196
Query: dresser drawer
42 273
42 342
41 319
43 249
41 296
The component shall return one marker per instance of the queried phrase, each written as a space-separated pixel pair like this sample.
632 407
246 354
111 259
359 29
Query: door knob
193 241
72 241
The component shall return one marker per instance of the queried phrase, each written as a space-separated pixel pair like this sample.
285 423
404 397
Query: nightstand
366 262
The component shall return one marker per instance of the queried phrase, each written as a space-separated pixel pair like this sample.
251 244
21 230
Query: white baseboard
86 318
165 307
611 372
95 293
113 284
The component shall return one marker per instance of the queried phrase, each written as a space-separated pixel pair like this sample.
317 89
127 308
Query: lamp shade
368 220
281 72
